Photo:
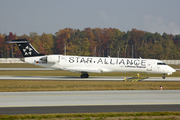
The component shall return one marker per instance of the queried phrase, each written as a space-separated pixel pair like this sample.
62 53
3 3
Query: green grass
19 85
98 116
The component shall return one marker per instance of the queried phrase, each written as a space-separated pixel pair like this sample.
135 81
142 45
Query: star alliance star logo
27 50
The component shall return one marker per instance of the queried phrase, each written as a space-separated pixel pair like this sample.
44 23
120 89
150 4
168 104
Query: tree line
98 42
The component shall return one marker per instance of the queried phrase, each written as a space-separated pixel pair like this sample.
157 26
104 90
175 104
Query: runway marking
91 104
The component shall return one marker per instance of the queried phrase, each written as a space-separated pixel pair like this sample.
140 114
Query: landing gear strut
163 77
84 75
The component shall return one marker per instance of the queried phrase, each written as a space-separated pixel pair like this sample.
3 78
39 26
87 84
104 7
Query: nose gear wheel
163 77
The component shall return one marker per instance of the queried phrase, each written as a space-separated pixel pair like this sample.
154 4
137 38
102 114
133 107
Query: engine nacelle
51 59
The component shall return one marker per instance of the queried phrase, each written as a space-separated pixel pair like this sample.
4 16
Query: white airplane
85 65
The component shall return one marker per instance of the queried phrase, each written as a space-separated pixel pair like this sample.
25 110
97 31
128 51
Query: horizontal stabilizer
17 41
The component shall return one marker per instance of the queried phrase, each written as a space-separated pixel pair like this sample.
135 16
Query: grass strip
20 85
97 116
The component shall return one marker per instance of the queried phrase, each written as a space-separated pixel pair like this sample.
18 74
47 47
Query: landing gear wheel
84 75
163 77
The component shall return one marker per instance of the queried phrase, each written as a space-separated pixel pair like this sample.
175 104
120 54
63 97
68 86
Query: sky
49 16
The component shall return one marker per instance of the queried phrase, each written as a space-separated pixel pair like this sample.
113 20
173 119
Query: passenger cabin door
59 60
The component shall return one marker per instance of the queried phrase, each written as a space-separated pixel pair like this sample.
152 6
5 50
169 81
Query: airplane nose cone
170 70
173 70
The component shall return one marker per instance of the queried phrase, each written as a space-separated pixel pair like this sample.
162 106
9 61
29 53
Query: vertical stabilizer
26 48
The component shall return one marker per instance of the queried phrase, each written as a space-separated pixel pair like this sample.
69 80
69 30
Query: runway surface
87 109
89 101
84 79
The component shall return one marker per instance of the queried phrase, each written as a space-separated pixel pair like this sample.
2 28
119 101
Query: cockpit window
161 63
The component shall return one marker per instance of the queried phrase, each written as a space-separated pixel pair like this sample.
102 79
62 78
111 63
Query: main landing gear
84 75
163 77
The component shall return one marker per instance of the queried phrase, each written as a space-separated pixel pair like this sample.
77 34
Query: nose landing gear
163 77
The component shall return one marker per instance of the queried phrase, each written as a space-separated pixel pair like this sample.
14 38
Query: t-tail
26 48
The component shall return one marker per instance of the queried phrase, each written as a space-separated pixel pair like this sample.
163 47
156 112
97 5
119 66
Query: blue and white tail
26 48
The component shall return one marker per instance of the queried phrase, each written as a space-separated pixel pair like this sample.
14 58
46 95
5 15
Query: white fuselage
83 64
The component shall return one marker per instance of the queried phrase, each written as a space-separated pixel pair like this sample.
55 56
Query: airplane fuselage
100 64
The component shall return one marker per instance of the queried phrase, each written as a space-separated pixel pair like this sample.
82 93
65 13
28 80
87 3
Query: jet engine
51 59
